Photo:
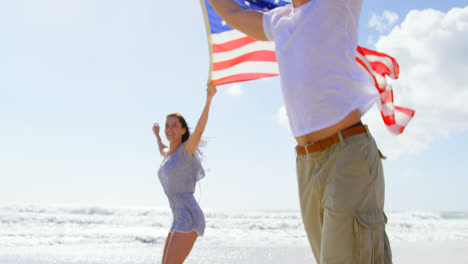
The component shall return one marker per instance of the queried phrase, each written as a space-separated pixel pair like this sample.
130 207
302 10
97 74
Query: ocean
84 235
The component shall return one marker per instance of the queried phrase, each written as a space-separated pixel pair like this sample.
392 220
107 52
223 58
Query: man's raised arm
247 21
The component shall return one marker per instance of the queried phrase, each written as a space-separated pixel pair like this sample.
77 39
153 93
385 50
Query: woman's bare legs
178 246
165 247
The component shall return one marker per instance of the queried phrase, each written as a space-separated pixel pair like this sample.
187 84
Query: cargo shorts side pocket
372 245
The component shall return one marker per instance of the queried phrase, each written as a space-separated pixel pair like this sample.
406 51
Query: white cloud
282 117
383 22
429 46
234 90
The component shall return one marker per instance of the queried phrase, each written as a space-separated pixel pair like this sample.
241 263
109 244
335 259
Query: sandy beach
453 252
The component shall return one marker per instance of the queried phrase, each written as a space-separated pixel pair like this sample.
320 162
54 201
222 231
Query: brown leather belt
325 143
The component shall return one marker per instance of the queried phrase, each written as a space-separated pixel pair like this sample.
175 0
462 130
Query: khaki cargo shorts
341 191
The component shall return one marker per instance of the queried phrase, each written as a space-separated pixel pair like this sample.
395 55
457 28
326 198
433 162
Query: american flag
236 57
377 66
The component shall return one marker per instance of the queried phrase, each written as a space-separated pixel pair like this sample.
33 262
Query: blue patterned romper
178 177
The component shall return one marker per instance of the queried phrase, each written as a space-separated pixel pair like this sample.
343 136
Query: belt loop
342 142
367 131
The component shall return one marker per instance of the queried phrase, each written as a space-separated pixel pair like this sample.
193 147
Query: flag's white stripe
362 57
226 36
388 87
386 109
382 82
383 59
366 62
402 118
255 46
247 67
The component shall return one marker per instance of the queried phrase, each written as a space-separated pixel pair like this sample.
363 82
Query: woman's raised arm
192 142
162 148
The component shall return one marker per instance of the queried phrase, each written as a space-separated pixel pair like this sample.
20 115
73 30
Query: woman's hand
156 129
210 91
162 148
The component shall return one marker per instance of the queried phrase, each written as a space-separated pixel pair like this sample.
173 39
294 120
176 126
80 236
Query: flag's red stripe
388 120
365 52
380 68
242 77
262 55
233 44
406 111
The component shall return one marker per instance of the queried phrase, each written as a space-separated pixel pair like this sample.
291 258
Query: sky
82 82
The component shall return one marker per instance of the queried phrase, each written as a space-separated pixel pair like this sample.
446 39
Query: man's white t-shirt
316 52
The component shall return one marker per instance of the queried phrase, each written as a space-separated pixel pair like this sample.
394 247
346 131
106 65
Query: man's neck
298 3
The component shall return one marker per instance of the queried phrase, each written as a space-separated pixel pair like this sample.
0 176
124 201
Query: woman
179 172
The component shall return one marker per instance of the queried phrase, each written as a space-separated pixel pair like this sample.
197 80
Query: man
339 169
